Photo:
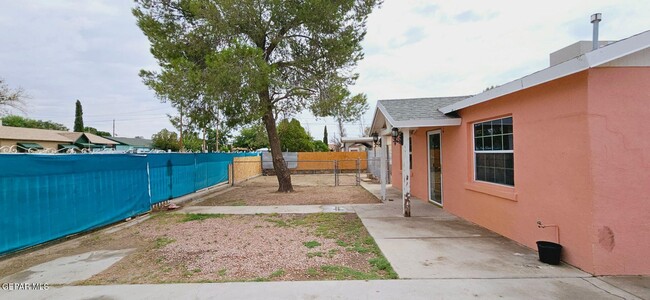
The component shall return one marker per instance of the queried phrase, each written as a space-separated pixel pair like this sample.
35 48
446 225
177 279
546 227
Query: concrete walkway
437 256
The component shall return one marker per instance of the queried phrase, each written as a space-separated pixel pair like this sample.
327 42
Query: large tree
256 58
78 117
10 98
293 137
165 140
18 121
252 137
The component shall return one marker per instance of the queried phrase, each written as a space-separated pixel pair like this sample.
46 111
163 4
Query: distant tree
253 137
192 142
165 140
224 136
293 137
319 146
342 106
489 88
78 117
10 98
325 138
18 121
257 58
96 132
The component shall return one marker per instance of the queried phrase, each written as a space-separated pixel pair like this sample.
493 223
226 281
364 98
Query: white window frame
492 151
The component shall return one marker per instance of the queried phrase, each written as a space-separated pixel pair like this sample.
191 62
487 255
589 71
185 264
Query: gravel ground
309 189
247 248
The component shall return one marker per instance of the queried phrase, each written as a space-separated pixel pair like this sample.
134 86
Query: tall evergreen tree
325 138
78 117
254 59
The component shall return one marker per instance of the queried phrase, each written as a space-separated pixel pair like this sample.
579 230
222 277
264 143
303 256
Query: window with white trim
493 152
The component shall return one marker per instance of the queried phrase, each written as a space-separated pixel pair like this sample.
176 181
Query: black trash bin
549 252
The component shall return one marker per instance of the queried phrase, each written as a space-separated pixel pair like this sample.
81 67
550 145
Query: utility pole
181 130
113 127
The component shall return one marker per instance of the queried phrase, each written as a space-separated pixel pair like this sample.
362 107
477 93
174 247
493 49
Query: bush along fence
46 197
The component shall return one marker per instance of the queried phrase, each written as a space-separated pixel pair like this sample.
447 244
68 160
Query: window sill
503 192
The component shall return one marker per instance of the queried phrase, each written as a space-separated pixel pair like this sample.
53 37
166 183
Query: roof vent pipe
595 19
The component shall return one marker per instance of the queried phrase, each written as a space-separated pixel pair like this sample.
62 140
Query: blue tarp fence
46 197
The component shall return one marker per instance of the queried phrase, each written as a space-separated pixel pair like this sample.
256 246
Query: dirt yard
221 248
309 189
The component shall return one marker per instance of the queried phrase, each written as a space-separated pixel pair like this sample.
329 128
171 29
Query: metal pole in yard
358 171
336 176
233 171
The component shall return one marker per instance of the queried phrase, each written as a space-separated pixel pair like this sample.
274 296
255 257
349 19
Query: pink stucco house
568 146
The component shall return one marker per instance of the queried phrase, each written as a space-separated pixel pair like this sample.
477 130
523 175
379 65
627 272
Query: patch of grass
343 273
277 273
357 247
222 272
197 270
332 252
341 243
312 254
201 217
260 279
311 244
277 222
237 203
163 241
312 272
382 264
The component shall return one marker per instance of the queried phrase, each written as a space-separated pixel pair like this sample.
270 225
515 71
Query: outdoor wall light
375 139
397 136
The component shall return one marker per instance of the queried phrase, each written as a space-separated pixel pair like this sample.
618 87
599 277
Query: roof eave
428 123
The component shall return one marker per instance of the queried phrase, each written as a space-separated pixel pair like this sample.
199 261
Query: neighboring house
568 146
356 144
135 144
30 139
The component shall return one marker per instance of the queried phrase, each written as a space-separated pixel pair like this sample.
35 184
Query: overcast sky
92 50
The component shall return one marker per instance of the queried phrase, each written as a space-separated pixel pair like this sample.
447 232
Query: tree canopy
293 137
18 121
252 137
252 59
10 98
78 117
95 131
165 140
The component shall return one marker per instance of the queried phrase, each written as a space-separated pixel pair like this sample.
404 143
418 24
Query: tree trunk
279 165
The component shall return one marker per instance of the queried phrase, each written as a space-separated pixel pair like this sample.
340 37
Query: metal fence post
358 171
336 175
233 171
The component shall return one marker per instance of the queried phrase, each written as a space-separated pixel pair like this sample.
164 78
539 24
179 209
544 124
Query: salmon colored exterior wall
619 112
575 139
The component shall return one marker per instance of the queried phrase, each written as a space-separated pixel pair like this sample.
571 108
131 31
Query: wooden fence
308 161
246 167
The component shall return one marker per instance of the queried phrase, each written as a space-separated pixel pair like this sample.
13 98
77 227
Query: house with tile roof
560 155
31 139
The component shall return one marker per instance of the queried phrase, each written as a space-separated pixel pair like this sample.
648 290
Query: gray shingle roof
137 142
418 108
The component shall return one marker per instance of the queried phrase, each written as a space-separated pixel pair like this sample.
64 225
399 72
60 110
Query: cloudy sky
91 50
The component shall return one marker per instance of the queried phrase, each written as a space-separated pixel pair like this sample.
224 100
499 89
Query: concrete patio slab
483 257
538 288
636 285
68 269
420 227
